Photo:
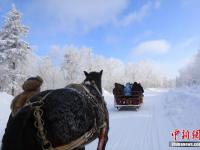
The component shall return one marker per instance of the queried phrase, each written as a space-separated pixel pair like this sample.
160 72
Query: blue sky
166 32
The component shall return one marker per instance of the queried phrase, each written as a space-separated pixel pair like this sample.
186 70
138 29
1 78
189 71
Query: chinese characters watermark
185 138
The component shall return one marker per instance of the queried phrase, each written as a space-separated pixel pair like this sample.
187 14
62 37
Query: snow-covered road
150 127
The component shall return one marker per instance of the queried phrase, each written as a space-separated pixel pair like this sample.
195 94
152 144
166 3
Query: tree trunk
13 91
13 79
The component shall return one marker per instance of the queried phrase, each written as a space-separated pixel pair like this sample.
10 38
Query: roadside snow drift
5 101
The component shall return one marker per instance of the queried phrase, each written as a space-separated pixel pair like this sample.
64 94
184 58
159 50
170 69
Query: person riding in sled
30 88
127 89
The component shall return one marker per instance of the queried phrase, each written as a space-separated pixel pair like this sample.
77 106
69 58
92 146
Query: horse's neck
99 87
93 91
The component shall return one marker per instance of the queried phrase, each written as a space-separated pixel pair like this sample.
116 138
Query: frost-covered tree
190 74
113 72
76 60
147 74
70 65
13 50
51 74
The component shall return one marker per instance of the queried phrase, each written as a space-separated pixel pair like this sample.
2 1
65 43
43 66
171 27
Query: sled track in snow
136 130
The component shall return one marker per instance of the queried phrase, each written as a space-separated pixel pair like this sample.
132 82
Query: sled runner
135 99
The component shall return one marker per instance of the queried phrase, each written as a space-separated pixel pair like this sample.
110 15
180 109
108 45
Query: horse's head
94 78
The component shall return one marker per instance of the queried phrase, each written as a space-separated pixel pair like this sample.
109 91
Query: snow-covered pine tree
13 50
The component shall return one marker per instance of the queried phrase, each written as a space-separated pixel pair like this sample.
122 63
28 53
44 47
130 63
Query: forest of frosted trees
190 74
18 62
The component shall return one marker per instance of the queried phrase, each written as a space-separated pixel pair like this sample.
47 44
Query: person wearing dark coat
137 87
140 87
30 88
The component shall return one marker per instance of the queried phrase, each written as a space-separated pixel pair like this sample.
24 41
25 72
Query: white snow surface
5 101
148 128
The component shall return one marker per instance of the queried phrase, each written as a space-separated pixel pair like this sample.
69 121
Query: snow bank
109 98
182 107
5 101
156 90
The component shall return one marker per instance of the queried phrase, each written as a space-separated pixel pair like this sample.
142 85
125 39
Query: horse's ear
86 74
101 72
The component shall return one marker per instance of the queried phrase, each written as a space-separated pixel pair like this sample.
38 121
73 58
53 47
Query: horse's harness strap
100 106
84 138
92 96
78 142
87 91
39 124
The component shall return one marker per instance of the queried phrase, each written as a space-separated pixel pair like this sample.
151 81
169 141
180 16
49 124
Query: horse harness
39 122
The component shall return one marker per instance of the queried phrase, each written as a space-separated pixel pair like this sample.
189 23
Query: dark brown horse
62 119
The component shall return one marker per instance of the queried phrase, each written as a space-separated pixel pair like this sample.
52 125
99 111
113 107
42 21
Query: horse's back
67 112
66 117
